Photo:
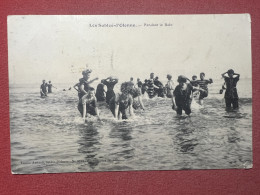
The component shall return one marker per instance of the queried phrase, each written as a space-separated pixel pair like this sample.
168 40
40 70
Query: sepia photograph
92 93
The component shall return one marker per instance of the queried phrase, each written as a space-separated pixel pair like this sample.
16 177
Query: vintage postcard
129 92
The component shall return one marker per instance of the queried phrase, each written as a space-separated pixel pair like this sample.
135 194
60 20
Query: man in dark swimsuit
110 83
100 92
183 96
120 102
203 87
43 90
231 96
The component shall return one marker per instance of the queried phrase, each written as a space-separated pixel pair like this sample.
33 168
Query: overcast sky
58 48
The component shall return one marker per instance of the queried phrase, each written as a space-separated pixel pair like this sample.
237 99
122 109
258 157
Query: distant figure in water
110 83
203 87
169 87
88 104
160 90
43 89
151 86
139 84
120 102
50 87
194 83
144 86
100 92
135 93
182 96
231 96
132 81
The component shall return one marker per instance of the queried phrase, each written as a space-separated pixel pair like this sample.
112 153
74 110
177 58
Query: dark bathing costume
44 90
110 89
90 106
183 99
144 87
123 103
100 93
231 96
86 87
150 89
49 88
160 91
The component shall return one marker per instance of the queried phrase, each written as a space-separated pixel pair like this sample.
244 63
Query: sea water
49 135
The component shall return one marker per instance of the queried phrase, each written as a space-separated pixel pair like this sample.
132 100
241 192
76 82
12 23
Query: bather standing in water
101 92
203 87
84 83
182 96
110 83
231 96
169 87
43 89
120 102
49 85
151 86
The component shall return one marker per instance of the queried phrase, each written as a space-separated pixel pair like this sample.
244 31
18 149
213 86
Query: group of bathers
130 95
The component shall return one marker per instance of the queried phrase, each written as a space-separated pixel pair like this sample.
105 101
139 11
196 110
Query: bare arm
91 81
96 109
76 85
155 86
174 106
199 89
223 75
238 75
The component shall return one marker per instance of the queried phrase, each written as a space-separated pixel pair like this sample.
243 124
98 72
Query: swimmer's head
43 81
49 81
169 76
194 77
182 79
123 87
152 75
230 72
202 75
131 79
86 72
91 91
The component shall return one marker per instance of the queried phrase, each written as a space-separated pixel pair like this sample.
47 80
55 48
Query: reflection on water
48 135
89 144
